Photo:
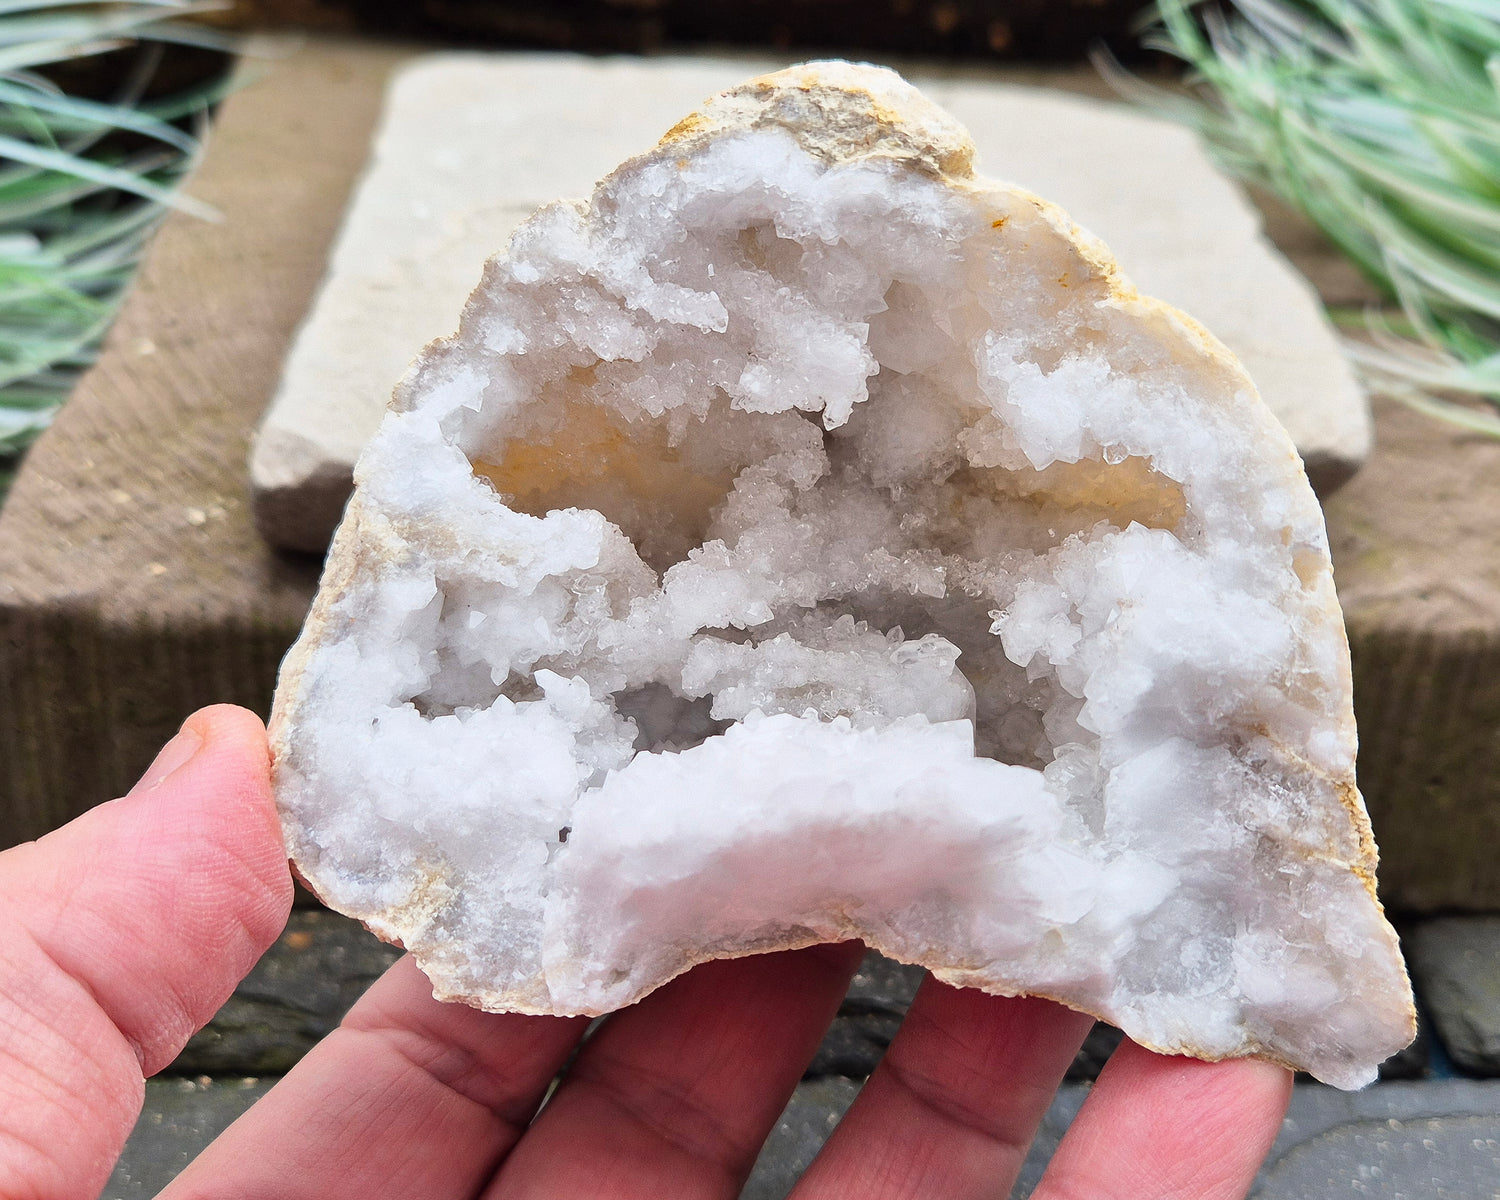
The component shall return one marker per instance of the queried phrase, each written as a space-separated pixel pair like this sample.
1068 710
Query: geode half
806 539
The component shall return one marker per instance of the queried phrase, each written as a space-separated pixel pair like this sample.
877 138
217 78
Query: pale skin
126 930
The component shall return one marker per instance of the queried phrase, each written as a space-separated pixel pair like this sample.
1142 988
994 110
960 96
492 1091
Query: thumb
127 929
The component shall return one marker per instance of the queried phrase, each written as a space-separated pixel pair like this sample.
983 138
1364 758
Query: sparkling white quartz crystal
805 539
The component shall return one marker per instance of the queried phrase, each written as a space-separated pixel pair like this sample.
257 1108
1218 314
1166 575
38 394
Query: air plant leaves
76 210
1381 120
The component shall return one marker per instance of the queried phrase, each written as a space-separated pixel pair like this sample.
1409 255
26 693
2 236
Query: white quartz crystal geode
806 539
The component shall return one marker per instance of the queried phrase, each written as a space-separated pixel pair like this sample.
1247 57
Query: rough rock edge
840 113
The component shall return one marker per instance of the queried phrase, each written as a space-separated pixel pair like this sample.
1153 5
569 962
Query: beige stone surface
471 144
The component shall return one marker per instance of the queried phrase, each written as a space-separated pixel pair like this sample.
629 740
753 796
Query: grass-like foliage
1381 120
83 182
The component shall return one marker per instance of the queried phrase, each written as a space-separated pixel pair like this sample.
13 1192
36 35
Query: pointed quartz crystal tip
805 539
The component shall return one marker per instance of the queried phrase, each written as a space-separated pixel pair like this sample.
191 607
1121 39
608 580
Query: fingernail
174 754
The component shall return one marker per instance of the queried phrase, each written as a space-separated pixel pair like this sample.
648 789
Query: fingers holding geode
956 1102
408 1097
125 931
674 1096
1170 1128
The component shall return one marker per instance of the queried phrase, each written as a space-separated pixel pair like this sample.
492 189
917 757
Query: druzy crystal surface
804 539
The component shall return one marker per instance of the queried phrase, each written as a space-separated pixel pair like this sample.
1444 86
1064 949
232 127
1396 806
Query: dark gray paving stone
814 1111
1318 1112
1316 1109
878 997
1097 1047
853 1045
1389 1125
883 985
1440 1158
1455 963
180 1118
299 990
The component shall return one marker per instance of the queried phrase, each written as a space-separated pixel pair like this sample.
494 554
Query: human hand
124 932
136 920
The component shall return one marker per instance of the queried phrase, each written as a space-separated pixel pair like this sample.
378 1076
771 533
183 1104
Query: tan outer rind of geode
835 114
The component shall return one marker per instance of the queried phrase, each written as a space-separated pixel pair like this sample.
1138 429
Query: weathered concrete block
470 145
1418 574
1455 964
1438 1156
1426 1139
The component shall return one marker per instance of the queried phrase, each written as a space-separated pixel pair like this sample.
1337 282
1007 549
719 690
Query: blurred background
174 176
976 29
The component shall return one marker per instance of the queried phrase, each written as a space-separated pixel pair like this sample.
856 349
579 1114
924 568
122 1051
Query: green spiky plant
83 183
1380 119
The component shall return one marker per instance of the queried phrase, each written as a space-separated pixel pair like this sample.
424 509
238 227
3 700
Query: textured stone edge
1424 702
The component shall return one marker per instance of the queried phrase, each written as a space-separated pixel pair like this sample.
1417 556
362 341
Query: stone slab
1428 1140
1453 1158
1455 965
1440 1135
133 586
470 145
